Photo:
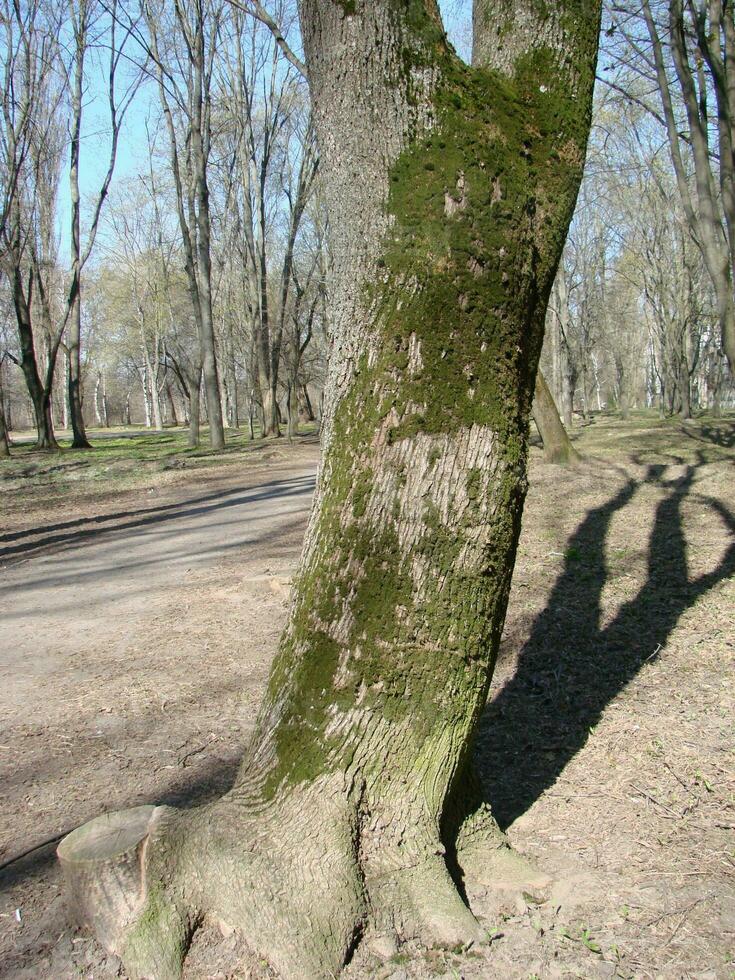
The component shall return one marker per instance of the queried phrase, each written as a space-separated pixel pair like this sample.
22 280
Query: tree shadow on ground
716 433
572 666
88 529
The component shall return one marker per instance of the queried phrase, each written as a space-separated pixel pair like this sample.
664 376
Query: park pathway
135 645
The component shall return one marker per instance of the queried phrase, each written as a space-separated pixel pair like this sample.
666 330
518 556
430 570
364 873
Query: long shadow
273 537
132 520
101 519
571 667
722 434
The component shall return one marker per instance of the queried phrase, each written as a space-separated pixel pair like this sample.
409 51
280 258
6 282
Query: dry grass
36 486
606 749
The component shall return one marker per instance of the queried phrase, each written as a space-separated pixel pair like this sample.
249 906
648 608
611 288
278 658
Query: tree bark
306 410
39 394
4 443
450 191
558 447
74 391
194 410
74 329
172 405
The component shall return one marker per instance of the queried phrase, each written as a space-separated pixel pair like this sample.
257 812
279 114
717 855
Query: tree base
298 884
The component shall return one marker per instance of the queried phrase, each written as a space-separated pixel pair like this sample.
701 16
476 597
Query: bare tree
38 85
450 191
264 99
688 48
182 43
93 25
31 147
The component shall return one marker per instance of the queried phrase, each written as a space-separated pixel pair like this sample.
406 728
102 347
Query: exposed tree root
290 880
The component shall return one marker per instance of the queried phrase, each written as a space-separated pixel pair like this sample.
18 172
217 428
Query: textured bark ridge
450 190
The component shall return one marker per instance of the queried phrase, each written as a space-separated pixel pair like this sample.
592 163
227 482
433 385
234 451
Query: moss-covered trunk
450 192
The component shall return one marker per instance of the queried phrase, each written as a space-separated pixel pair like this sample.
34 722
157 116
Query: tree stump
103 863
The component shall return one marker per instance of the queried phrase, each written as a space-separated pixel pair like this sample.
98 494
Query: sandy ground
136 642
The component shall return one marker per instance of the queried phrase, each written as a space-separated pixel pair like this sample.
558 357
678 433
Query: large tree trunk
558 446
450 192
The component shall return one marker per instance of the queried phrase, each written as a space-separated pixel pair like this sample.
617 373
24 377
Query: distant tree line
194 291
642 310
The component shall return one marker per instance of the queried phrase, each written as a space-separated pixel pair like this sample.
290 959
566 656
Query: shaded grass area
35 484
646 435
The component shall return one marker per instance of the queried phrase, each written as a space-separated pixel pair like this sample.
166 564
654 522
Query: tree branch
257 10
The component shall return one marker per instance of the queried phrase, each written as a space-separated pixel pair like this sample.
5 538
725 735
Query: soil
138 630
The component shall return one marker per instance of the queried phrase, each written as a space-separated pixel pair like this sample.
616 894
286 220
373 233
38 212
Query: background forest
162 228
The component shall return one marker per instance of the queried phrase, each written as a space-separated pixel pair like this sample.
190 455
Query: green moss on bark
480 205
157 943
476 241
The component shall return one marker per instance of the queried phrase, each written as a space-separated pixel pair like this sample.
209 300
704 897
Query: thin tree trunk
97 408
685 393
172 405
558 446
251 414
156 401
622 386
209 365
305 408
64 395
4 444
194 409
76 416
232 381
40 397
292 408
145 385
204 256
74 327
105 402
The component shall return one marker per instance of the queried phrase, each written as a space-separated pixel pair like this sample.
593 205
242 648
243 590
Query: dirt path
135 645
80 593
134 648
